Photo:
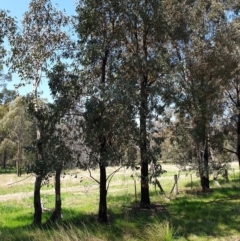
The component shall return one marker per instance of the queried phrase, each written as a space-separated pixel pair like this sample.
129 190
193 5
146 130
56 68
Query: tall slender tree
197 81
7 29
99 30
227 42
16 125
145 66
34 49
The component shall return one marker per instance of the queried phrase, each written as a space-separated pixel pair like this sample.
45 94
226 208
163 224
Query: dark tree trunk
102 213
205 185
57 213
4 159
18 168
37 219
145 200
238 139
203 158
201 168
18 163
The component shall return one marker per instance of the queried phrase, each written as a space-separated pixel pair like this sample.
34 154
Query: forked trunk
102 212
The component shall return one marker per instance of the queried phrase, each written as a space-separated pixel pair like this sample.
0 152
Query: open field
190 215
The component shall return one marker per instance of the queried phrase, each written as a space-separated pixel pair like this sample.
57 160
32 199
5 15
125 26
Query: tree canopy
139 82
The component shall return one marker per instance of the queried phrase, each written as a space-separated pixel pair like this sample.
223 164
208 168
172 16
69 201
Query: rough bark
57 213
203 158
37 218
102 212
238 139
37 186
202 165
145 200
205 178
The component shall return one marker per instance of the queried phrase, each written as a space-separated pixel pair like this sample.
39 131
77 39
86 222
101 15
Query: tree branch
230 150
111 176
90 173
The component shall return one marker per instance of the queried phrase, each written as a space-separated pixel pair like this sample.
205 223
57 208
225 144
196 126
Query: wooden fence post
135 188
175 184
191 181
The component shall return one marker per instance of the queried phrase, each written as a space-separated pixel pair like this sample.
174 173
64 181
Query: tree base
205 184
56 216
145 206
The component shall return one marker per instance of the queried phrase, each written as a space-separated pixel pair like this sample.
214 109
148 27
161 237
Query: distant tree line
138 82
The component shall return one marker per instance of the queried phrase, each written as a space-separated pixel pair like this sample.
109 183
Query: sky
17 8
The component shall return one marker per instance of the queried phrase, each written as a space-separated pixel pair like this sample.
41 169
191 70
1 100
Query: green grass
7 170
191 215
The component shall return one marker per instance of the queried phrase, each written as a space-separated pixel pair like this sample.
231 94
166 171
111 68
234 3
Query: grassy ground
190 215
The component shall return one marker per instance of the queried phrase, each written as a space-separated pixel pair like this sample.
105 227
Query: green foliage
17 131
6 96
56 152
7 29
131 61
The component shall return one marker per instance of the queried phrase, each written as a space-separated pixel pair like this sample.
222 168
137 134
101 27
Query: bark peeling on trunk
38 181
203 158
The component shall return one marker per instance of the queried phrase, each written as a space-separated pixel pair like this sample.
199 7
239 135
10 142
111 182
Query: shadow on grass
194 184
215 214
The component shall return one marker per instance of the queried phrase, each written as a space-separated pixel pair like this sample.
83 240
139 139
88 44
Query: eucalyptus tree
34 48
107 119
7 28
198 86
144 67
6 97
227 42
16 126
57 151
